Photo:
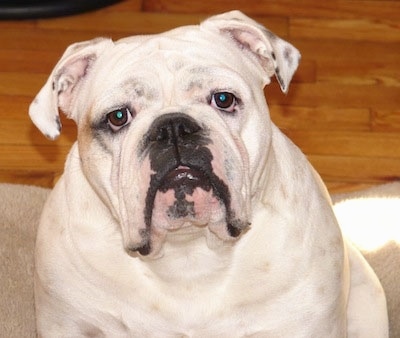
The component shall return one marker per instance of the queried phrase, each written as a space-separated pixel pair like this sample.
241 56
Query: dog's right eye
119 118
224 101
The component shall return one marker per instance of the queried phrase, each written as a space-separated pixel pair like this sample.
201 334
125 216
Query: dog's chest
185 313
185 300
195 296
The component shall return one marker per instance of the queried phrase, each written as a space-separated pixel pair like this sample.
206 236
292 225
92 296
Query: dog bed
374 212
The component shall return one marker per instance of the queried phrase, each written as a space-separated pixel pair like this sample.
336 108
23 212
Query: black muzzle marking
179 156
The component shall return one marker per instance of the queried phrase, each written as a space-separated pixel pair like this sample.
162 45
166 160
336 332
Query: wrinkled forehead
189 41
169 52
164 68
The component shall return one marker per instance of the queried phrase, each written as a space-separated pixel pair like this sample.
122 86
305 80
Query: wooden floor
342 110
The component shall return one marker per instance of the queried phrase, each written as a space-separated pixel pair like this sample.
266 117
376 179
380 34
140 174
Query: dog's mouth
180 198
188 196
184 189
185 179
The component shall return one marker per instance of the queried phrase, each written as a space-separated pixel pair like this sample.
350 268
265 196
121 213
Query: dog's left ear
275 55
60 89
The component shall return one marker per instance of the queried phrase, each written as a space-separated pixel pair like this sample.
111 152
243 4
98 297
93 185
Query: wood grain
342 109
341 9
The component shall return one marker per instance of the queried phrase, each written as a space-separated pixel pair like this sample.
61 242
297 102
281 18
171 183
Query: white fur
290 274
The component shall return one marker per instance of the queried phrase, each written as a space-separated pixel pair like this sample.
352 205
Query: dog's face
173 129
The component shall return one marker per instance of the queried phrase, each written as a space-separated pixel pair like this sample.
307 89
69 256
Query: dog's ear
275 55
59 91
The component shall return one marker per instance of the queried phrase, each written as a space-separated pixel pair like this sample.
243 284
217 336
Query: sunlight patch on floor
370 223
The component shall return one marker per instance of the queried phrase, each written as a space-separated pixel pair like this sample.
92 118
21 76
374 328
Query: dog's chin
189 201
187 198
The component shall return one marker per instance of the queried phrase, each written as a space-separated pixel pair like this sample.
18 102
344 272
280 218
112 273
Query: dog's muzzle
181 162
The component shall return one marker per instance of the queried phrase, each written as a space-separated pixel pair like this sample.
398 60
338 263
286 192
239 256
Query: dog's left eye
224 101
119 118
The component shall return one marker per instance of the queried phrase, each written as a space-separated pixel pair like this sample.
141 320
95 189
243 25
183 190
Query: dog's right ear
59 91
275 55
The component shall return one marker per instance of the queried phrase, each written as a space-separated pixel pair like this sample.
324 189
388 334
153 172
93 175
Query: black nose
173 128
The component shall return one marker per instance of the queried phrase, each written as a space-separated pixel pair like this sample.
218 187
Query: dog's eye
119 118
224 101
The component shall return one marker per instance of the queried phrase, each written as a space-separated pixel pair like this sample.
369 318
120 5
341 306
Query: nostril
182 130
162 134
172 127
185 126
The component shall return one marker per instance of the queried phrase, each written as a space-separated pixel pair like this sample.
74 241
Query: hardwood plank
356 169
320 118
21 39
17 24
21 131
355 29
132 23
337 96
307 72
331 50
13 108
306 8
39 178
122 6
19 85
347 143
30 61
337 187
129 23
360 72
14 116
33 158
386 120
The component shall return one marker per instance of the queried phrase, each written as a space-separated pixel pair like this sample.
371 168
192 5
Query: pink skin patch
200 208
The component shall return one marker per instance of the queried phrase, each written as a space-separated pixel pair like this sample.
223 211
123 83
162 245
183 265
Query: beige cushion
20 208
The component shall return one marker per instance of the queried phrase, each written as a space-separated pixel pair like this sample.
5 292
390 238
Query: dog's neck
189 254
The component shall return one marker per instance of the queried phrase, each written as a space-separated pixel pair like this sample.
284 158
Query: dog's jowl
183 211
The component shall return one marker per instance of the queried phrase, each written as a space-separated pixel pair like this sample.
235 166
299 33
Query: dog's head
173 129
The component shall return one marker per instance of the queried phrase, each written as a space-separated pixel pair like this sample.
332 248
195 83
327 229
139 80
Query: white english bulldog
183 211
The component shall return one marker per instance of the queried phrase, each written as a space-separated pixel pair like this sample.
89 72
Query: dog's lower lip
184 173
183 176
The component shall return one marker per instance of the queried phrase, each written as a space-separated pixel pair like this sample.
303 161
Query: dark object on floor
33 9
